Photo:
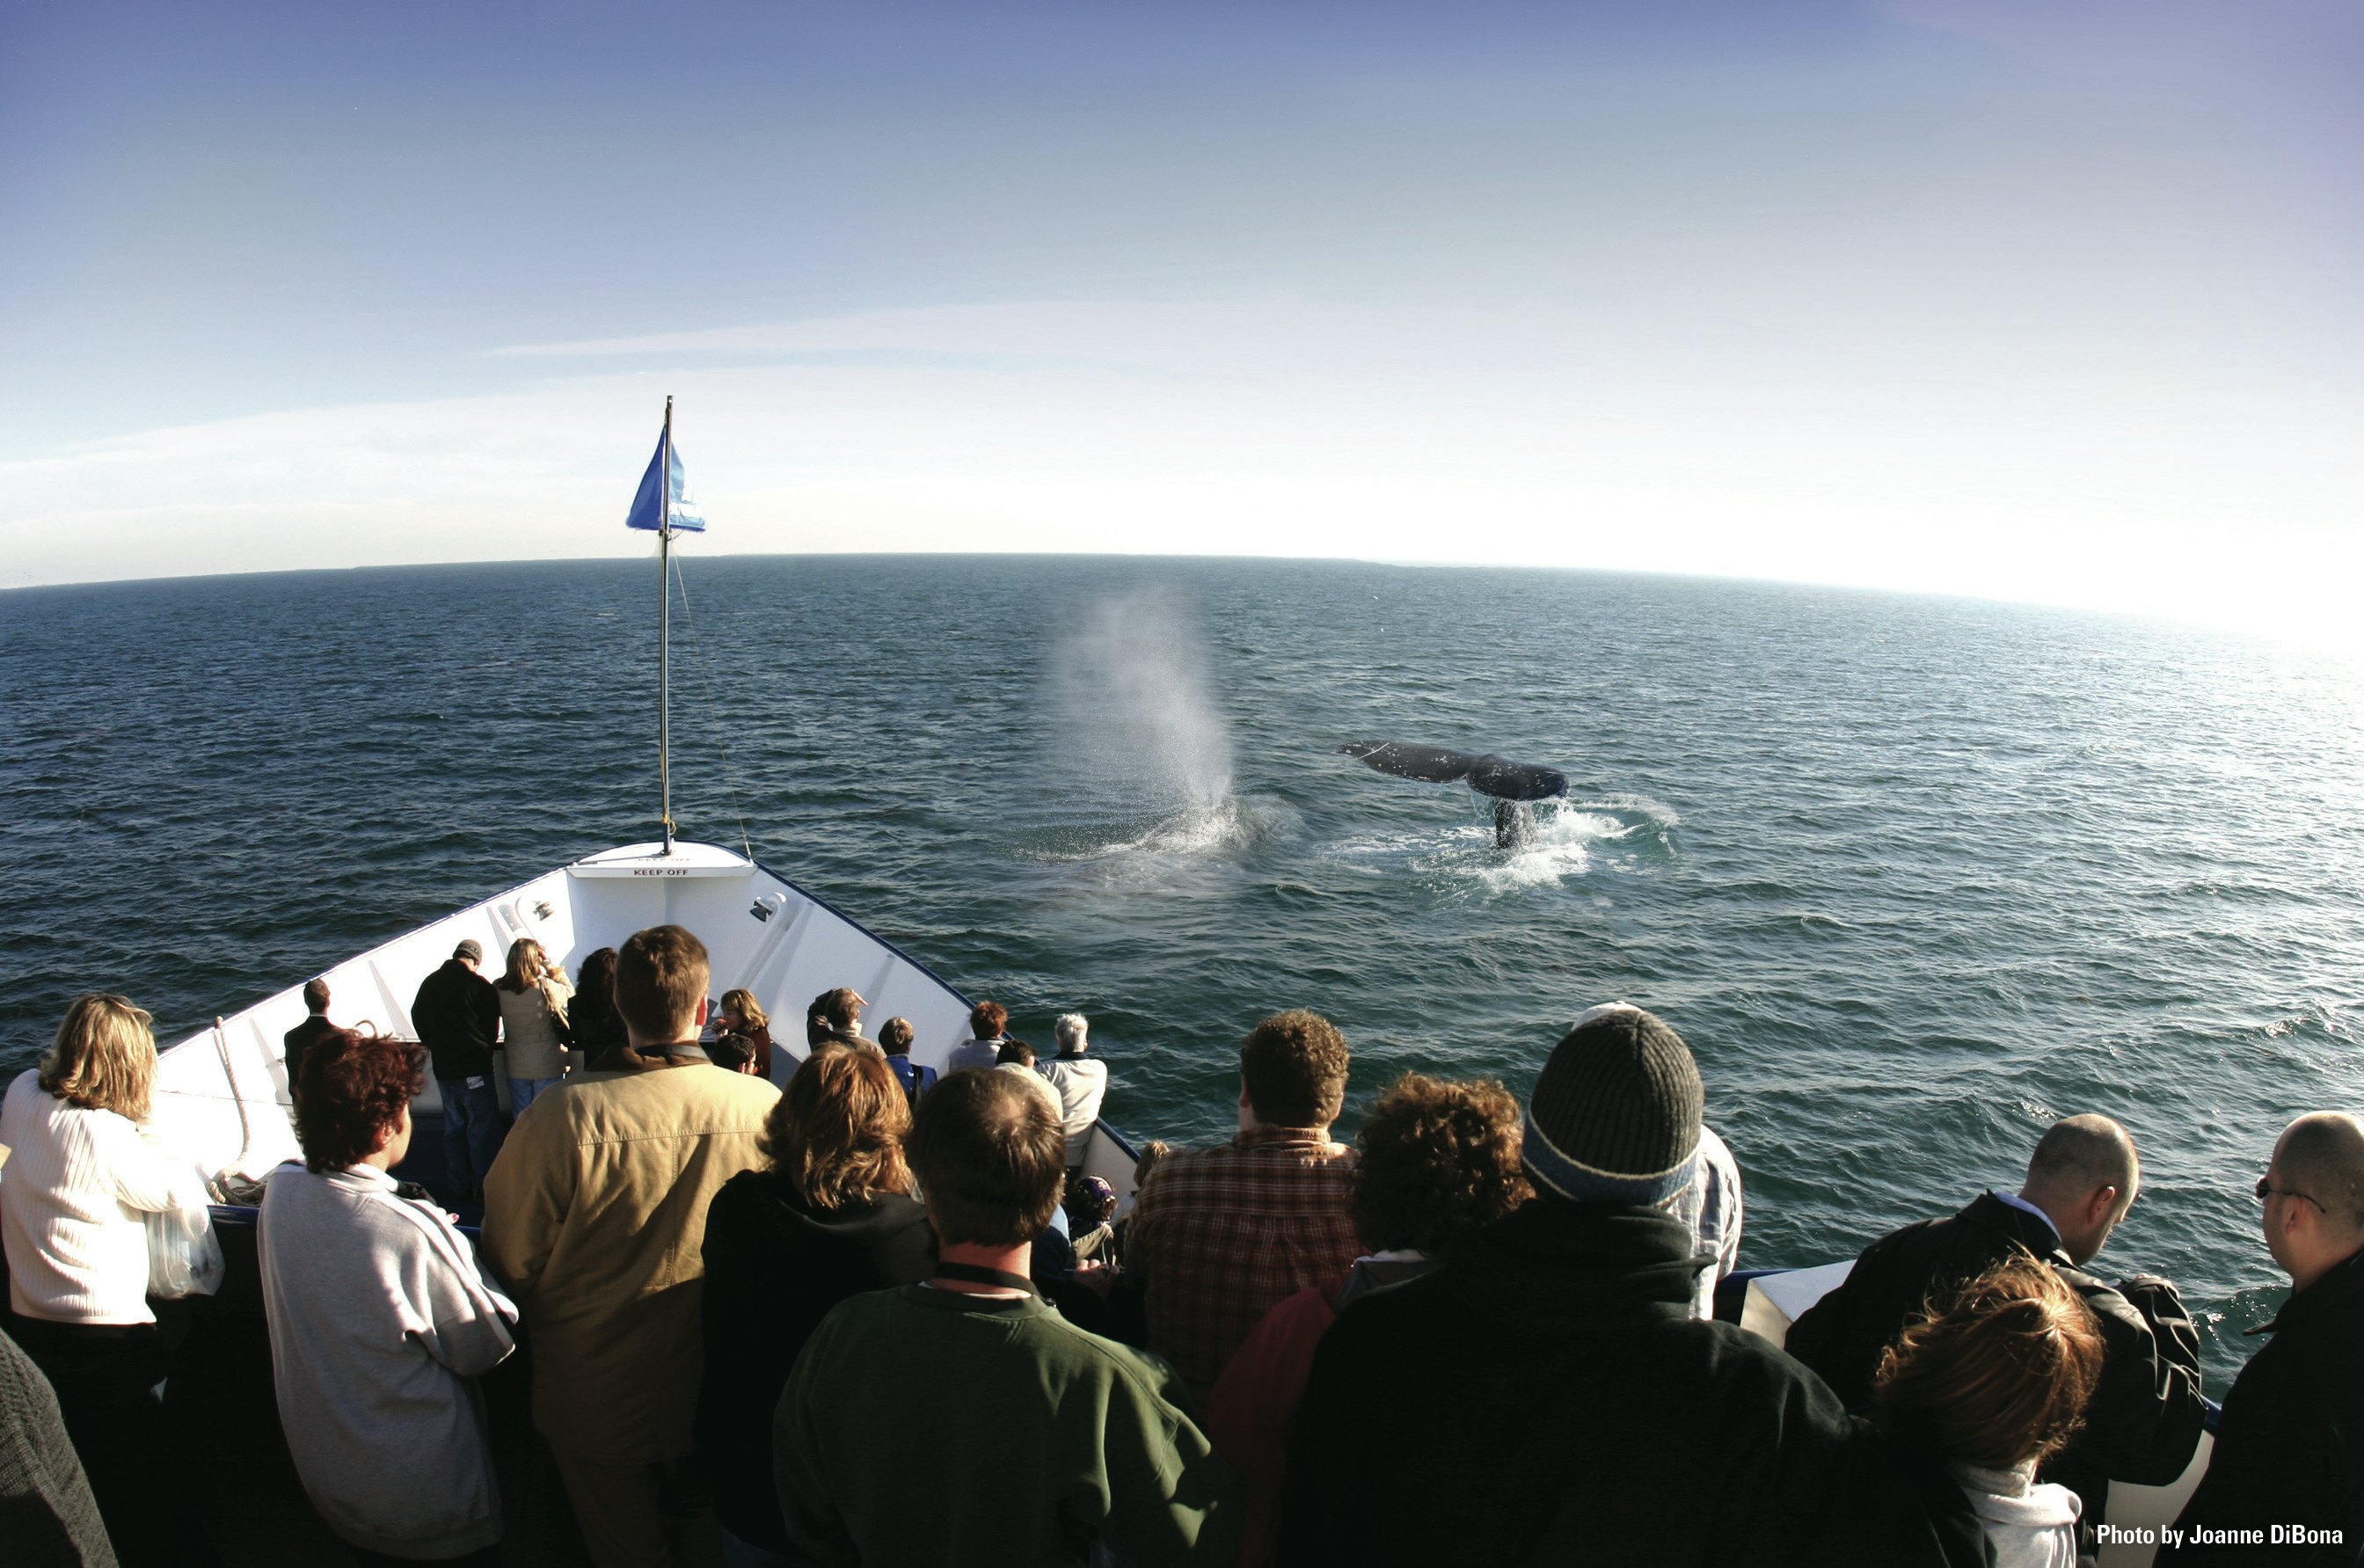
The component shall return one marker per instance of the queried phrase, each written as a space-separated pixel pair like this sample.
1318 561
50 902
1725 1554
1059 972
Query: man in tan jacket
594 1214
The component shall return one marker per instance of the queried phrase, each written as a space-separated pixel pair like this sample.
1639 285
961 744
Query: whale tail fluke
1496 778
1432 764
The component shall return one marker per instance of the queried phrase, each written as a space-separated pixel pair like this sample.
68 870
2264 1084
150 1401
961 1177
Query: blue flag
686 519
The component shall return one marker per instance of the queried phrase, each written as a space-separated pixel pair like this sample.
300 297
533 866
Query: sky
2049 300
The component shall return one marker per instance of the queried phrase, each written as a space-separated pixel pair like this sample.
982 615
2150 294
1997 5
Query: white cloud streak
1652 439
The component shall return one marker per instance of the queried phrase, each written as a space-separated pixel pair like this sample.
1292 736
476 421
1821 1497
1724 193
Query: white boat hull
221 1095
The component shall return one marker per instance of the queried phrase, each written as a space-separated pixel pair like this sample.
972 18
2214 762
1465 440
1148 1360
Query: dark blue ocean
1913 876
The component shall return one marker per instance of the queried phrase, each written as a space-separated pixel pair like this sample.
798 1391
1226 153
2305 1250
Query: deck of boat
222 1101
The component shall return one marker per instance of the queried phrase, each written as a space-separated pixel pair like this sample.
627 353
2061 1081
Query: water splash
1194 829
1566 837
1639 807
1570 840
1192 850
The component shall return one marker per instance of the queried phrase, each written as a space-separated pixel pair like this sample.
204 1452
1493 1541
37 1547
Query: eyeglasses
2265 1189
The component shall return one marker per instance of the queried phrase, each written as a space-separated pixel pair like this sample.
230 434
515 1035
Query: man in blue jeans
457 1018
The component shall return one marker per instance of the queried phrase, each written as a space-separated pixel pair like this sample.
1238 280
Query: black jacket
774 1269
598 1030
2290 1449
2146 1415
1545 1397
301 1039
457 1018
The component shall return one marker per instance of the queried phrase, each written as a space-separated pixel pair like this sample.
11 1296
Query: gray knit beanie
1615 1117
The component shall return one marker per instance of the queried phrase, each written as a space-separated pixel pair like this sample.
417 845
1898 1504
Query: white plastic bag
184 1257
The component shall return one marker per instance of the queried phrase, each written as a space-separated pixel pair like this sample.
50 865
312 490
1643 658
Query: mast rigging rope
730 778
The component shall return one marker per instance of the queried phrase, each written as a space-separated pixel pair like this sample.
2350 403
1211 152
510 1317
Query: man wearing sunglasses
2288 1476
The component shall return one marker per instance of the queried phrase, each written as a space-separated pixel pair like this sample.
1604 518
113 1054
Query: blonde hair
104 1057
528 966
740 1004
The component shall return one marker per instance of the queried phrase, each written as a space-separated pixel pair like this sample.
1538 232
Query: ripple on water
1909 876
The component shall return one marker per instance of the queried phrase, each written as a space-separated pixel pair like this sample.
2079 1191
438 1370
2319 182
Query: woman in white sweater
380 1321
533 995
1989 1388
80 1176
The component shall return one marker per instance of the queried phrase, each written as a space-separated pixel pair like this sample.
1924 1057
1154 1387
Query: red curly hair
352 1087
1434 1160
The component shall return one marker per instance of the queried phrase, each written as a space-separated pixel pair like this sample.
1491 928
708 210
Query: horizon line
2155 619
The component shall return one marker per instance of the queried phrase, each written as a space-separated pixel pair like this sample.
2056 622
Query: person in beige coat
533 993
594 1214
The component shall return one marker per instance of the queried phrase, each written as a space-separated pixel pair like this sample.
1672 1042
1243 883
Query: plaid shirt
1711 1207
1220 1235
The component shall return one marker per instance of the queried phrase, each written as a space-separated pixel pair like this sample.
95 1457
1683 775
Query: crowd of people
880 1315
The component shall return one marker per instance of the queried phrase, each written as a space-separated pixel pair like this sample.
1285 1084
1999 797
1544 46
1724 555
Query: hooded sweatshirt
2030 1524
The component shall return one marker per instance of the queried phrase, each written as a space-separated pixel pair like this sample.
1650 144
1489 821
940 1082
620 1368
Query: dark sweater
1546 1398
48 1517
458 1017
774 1269
923 1429
2146 1415
760 1036
598 1031
2290 1449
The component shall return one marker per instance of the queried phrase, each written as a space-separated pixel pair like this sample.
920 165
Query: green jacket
924 1427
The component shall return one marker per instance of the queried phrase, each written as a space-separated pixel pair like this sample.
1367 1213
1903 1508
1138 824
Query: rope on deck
230 1185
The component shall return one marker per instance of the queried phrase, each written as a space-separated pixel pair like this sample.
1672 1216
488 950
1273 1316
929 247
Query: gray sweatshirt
380 1321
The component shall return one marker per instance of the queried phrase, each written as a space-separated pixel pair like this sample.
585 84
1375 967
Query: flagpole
664 626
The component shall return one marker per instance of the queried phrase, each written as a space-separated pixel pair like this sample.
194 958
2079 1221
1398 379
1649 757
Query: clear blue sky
2048 299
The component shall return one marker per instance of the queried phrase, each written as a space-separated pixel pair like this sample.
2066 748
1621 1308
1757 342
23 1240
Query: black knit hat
1615 1115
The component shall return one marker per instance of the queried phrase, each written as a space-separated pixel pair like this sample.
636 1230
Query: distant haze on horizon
2025 300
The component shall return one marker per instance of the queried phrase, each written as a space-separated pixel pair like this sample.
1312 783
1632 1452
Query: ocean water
1913 877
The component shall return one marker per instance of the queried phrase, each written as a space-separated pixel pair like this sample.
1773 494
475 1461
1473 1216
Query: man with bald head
2290 1449
2146 1415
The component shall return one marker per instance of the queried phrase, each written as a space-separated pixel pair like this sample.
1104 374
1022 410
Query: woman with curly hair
1435 1160
82 1180
833 1216
380 1319
1987 1388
